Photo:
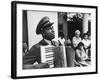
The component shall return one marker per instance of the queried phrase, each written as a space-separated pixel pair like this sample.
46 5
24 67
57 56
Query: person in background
25 48
87 43
81 56
68 42
86 40
76 39
61 39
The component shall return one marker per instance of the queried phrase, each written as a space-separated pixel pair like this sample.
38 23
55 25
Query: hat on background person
44 23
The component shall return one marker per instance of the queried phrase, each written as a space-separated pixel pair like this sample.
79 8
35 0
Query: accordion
54 56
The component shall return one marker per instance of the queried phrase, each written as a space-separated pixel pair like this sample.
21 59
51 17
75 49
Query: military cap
44 23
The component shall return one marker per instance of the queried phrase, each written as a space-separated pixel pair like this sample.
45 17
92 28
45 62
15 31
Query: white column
85 22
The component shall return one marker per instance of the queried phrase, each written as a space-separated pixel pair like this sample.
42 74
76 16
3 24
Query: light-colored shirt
86 43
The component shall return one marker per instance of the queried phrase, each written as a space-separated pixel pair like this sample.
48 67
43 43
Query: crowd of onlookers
81 45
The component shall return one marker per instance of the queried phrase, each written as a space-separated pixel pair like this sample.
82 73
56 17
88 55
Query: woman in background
87 43
86 40
76 39
81 56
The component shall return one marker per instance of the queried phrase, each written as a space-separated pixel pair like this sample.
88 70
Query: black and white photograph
54 39
46 47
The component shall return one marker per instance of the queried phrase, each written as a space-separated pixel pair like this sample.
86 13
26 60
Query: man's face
48 33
